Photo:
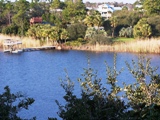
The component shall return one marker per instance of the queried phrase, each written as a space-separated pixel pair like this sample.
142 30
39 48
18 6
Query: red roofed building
34 20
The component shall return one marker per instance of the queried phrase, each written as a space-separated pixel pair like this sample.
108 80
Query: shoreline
103 48
117 48
151 46
99 49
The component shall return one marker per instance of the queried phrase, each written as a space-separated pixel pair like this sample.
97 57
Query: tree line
142 22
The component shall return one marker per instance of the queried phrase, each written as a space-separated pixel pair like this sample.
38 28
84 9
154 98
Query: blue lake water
37 74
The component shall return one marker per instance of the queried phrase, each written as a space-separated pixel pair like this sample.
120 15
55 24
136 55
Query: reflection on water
37 74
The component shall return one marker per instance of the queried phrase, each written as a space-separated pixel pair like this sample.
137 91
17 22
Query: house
106 10
34 20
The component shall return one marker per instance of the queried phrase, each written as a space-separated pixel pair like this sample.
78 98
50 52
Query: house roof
111 7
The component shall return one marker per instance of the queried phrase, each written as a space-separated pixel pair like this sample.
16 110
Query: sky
124 1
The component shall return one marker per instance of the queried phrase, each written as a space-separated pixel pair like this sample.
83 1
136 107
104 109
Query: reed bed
27 41
136 46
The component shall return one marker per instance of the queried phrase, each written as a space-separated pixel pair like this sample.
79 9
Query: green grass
73 43
123 39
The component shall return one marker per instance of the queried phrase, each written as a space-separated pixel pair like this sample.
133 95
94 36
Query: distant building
138 6
56 10
106 10
34 20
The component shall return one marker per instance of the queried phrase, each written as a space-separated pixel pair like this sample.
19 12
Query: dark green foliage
101 40
99 103
76 31
96 102
144 95
37 10
107 27
74 11
142 29
152 6
97 36
126 19
10 30
155 24
11 104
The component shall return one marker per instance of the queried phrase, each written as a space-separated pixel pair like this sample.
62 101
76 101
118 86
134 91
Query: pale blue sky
124 1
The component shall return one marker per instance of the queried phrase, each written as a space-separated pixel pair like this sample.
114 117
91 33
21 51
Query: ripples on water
37 75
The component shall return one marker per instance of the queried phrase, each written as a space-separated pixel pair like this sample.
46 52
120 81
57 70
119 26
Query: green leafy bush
11 104
142 99
9 30
76 31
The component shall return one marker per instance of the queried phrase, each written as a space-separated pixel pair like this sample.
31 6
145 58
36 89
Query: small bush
11 29
11 104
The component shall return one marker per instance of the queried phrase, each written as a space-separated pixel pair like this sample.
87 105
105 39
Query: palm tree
89 20
97 21
64 34
142 29
32 31
54 34
46 32
114 23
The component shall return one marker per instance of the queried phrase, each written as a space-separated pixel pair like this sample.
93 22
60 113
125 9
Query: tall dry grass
27 42
137 46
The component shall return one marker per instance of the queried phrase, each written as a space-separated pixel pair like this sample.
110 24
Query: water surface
37 74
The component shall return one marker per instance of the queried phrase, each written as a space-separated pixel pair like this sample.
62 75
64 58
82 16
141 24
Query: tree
8 11
11 104
144 95
97 20
46 11
125 8
64 34
76 31
32 31
126 32
94 19
152 6
96 36
74 12
155 24
56 4
55 34
89 21
142 29
20 18
114 22
95 102
142 98
35 10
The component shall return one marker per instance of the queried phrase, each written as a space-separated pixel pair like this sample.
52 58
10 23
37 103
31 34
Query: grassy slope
123 39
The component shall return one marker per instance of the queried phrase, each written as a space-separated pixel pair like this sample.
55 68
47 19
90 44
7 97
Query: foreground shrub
11 104
140 100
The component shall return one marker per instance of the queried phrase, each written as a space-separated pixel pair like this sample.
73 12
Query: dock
39 48
13 46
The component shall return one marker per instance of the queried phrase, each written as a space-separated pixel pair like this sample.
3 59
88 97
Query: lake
37 74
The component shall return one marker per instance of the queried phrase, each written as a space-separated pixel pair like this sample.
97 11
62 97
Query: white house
106 10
